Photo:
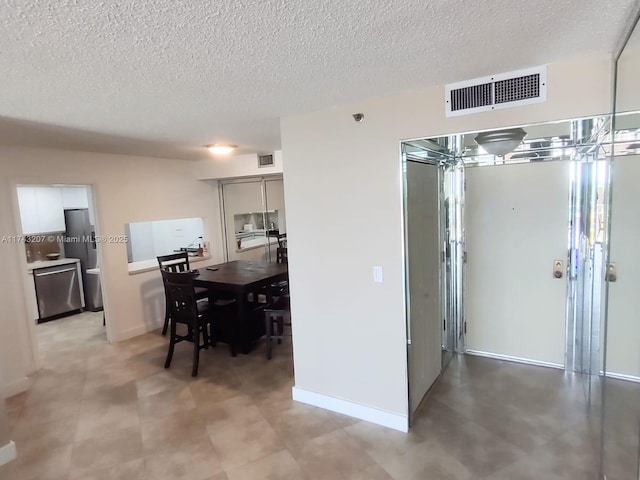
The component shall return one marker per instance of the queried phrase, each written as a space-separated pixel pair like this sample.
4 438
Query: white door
516 227
423 273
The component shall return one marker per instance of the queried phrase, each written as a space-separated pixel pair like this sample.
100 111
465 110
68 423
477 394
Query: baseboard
622 376
16 387
352 409
8 453
508 358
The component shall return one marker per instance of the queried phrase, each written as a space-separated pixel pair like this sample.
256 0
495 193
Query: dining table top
240 273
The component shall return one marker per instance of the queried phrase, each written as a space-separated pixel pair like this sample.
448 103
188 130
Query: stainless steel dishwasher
57 290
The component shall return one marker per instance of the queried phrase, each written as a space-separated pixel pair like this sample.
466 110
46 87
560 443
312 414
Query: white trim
8 453
352 409
622 376
16 387
508 358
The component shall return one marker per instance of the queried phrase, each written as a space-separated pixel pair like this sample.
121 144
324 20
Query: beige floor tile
194 461
101 451
52 464
332 456
166 403
132 470
106 418
172 431
233 412
33 438
372 472
239 444
380 442
427 460
158 383
301 423
277 466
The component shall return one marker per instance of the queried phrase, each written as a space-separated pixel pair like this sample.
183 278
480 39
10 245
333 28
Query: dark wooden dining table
238 279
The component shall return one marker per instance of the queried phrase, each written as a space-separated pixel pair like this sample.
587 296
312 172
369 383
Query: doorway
62 277
518 248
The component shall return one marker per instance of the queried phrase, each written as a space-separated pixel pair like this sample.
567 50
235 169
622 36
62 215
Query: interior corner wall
126 189
344 216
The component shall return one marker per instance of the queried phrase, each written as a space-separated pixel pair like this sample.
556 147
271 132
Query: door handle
558 269
612 273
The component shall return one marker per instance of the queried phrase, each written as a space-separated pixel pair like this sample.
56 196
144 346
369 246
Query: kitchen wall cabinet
75 197
41 209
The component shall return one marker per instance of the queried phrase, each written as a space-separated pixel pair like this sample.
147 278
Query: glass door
253 216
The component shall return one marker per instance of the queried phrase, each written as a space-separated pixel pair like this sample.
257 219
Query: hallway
99 411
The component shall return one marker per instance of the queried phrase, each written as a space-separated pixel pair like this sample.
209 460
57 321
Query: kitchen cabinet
75 197
41 209
28 209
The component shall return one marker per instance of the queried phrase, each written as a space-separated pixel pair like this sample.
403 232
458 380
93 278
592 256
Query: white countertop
51 263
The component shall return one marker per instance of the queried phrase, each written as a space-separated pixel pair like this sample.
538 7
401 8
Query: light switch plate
377 274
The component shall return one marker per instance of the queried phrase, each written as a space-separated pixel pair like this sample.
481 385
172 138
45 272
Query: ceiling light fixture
221 148
501 142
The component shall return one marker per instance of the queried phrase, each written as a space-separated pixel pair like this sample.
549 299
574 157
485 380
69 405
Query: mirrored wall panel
254 218
621 380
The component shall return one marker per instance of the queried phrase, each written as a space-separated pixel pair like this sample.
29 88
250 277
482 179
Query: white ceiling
164 77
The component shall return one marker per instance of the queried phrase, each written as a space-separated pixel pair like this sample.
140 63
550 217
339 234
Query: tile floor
100 411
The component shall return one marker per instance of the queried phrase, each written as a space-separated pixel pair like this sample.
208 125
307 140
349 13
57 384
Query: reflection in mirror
621 380
148 240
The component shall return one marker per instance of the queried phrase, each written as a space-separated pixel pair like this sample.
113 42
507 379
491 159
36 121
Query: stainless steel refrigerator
80 243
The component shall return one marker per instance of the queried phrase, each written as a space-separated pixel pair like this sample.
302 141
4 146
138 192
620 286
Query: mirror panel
621 366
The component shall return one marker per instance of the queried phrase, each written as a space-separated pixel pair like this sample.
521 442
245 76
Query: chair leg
205 336
196 351
268 331
166 316
280 328
172 344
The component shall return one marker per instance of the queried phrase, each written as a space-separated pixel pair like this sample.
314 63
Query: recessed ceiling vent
505 90
265 160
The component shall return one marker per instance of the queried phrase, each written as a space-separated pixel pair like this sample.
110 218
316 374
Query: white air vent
265 160
511 89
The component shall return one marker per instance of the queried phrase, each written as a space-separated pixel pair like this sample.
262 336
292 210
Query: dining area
235 303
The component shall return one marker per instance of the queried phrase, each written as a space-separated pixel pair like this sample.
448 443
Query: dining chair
277 315
282 255
176 262
185 309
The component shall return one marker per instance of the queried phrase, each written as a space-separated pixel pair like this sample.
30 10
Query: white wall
126 189
628 93
343 178
220 167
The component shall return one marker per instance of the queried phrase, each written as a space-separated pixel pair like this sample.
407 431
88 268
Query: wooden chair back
175 262
181 296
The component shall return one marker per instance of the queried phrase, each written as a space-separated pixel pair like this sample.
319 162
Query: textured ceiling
164 77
